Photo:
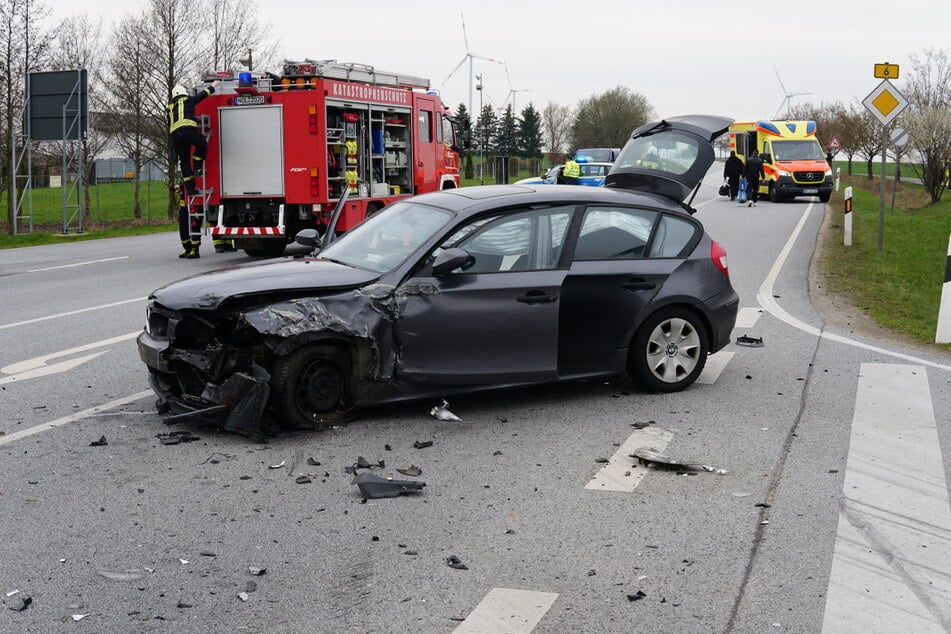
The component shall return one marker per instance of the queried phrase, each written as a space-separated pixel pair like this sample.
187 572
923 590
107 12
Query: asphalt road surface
832 515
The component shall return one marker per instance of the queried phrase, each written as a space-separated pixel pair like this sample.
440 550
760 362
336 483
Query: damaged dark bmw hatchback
457 291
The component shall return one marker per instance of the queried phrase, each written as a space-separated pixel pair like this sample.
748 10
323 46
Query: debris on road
257 572
99 443
751 342
120 575
441 412
208 553
20 603
422 444
642 424
637 596
651 458
313 463
303 480
363 463
244 596
79 617
454 562
278 466
177 437
374 487
411 470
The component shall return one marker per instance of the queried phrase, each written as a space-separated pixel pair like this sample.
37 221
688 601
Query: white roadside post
847 218
944 311
838 177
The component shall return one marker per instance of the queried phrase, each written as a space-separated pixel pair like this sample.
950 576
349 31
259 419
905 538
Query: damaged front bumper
237 403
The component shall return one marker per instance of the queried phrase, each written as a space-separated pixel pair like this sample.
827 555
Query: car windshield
668 151
797 151
386 239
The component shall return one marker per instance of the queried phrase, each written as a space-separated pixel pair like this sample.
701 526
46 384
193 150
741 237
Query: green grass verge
899 286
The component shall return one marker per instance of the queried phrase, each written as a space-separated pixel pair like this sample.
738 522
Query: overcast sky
684 56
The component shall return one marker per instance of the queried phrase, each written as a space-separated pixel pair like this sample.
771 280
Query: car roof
470 200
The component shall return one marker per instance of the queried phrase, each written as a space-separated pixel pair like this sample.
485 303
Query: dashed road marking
507 611
891 570
747 317
71 266
619 474
714 366
72 312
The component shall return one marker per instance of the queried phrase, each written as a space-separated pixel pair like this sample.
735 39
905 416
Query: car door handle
638 285
536 297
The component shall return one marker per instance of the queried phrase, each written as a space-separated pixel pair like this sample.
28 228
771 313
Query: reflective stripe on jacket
572 169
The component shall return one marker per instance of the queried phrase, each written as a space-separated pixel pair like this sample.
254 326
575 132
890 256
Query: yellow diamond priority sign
885 102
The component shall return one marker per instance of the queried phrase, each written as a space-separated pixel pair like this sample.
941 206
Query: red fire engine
283 149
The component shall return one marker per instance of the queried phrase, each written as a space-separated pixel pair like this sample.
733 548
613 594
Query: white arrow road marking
70 266
86 413
32 368
72 312
619 474
507 611
891 569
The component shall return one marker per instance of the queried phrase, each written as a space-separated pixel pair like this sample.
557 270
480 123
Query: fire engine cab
282 149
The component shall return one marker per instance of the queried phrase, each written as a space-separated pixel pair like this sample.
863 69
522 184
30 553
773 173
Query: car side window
672 236
614 233
526 241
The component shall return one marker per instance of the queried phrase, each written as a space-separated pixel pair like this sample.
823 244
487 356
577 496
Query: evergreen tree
486 131
507 139
464 131
530 133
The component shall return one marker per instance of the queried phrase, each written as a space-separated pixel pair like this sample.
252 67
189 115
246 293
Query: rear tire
310 388
669 350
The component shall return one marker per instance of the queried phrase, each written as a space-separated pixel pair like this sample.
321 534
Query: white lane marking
619 474
747 317
507 611
714 367
891 570
74 417
768 302
38 363
72 312
47 370
70 266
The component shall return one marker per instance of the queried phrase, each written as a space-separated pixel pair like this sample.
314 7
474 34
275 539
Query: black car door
620 262
497 321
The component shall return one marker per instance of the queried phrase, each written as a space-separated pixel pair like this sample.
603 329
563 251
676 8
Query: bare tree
930 131
607 119
23 45
556 130
869 139
929 82
128 120
237 33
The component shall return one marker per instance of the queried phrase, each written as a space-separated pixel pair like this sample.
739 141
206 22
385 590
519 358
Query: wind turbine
512 91
469 56
789 95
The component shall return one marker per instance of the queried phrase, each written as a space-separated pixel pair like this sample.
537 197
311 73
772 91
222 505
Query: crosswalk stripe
891 570
619 474
714 366
747 317
507 611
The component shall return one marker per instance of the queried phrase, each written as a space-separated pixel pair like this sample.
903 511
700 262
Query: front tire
310 387
774 196
824 197
669 350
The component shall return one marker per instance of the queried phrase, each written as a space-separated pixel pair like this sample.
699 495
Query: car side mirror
308 238
450 260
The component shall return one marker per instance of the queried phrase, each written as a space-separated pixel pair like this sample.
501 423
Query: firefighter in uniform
187 141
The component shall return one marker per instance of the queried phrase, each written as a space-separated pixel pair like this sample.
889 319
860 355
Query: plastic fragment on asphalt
312 462
79 617
184 562
650 457
303 480
21 603
637 596
182 604
99 443
278 466
257 572
441 412
751 342
208 553
374 487
177 437
13 592
120 575
244 596
411 470
422 444
454 562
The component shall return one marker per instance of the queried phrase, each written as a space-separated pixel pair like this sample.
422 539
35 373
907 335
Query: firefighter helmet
179 91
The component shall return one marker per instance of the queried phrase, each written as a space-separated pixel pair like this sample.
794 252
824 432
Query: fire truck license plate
249 100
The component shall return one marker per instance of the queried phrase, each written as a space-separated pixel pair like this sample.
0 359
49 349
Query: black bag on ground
724 189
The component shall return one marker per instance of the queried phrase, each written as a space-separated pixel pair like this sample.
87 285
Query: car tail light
718 255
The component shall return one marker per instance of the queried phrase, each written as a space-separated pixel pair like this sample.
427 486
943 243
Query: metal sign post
885 103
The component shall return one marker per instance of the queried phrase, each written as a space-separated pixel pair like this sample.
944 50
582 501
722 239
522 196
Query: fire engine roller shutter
252 151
